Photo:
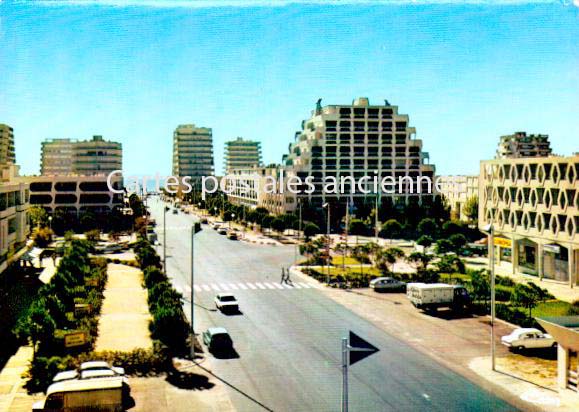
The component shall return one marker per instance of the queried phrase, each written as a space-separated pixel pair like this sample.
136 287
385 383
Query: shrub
42 236
573 309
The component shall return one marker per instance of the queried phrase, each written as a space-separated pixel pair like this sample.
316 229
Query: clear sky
465 73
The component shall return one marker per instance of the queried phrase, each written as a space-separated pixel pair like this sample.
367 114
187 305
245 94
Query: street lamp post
327 205
491 251
50 222
192 297
232 217
165 240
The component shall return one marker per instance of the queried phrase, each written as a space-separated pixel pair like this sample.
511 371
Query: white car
226 302
100 365
528 338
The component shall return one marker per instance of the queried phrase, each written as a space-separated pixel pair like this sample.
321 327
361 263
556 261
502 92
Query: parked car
528 338
204 220
387 284
217 340
232 234
90 370
101 365
431 296
226 302
175 211
222 231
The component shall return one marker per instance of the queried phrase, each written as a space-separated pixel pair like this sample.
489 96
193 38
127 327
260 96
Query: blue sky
465 73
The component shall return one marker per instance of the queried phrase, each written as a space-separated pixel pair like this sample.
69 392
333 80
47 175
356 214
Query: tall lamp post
327 206
490 230
165 209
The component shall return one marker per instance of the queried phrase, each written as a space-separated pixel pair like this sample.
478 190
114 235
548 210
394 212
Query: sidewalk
124 320
561 291
13 397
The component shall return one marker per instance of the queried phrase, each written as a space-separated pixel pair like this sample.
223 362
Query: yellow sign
503 242
74 339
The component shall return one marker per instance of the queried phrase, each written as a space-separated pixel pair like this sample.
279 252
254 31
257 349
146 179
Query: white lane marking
242 286
305 285
269 285
277 285
251 286
259 285
206 288
232 286
296 286
287 286
215 287
197 288
223 286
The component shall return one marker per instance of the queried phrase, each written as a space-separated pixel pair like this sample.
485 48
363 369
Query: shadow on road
189 381
258 403
226 354
232 312
449 314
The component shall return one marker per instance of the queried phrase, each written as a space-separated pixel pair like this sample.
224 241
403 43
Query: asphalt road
289 340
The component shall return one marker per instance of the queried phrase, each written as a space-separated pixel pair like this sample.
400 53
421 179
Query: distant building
7 153
357 140
95 157
241 154
457 190
193 152
520 144
56 157
533 204
251 188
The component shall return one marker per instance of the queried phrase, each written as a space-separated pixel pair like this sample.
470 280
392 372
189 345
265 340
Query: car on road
217 339
232 234
175 211
226 302
222 231
101 365
204 220
387 284
528 338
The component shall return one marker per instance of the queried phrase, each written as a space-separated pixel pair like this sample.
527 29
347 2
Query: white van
100 394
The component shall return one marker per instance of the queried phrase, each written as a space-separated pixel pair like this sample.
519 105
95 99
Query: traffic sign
359 348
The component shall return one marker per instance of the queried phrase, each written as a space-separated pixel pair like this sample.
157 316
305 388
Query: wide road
289 339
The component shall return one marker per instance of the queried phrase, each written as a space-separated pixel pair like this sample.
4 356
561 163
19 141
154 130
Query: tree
419 260
387 258
480 286
38 216
266 221
471 209
443 246
526 296
311 229
427 227
278 225
357 227
450 264
451 228
458 241
391 229
424 241
42 236
38 325
93 235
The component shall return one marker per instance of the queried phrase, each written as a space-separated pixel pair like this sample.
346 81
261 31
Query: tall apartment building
56 157
7 153
192 151
241 154
62 157
359 140
520 144
533 204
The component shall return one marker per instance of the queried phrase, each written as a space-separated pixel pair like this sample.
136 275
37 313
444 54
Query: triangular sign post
354 349
359 348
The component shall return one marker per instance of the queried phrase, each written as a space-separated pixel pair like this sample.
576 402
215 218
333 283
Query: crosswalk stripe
287 286
223 286
269 285
215 287
305 285
295 285
232 286
197 288
242 286
251 286
277 285
206 288
259 285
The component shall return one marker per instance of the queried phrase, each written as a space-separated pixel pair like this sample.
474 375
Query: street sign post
354 349
194 229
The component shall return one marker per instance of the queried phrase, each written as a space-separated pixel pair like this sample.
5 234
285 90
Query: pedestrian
282 275
287 277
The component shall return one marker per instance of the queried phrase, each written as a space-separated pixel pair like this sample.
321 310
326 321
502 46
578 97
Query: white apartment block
95 157
13 215
458 190
7 153
519 144
193 152
533 204
253 187
359 140
241 154
74 194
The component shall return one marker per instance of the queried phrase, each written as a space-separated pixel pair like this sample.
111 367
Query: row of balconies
534 221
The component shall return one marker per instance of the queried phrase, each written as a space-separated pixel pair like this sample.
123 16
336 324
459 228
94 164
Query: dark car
217 340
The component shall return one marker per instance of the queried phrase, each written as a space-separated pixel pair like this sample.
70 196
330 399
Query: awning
564 329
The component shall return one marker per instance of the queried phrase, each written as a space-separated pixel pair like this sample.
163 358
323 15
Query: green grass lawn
352 271
551 308
344 260
454 277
